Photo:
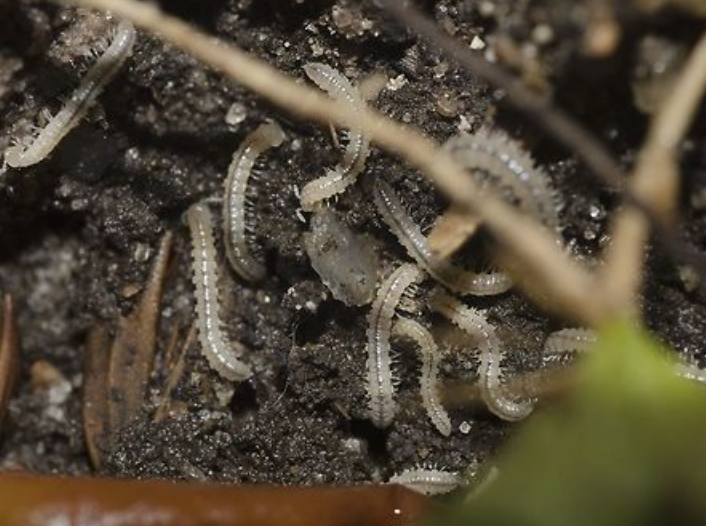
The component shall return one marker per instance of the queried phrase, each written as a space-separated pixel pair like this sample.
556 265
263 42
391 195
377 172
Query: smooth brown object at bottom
30 500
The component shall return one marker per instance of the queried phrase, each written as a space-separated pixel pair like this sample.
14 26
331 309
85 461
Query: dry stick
571 288
453 228
655 182
44 499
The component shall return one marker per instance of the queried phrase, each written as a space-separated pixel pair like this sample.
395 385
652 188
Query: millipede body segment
222 354
569 341
379 380
238 228
346 172
429 379
475 323
410 236
32 150
499 162
428 481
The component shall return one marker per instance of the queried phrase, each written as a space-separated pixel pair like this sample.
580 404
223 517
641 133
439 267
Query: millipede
569 341
346 172
222 354
33 149
411 237
238 221
429 356
428 481
379 378
476 324
492 155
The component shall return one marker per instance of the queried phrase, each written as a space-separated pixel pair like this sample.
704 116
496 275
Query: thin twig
44 499
453 228
655 182
570 287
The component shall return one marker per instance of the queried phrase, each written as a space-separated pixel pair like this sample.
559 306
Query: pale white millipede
429 356
492 154
379 378
568 341
346 172
222 354
428 481
238 220
476 324
409 234
33 149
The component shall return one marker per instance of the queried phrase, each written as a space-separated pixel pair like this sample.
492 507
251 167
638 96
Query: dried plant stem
117 371
655 183
571 288
451 231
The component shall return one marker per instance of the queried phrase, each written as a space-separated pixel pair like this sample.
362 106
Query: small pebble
237 113
446 105
396 83
477 43
596 212
689 277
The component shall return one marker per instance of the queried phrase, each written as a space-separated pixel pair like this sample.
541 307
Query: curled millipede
222 354
379 380
428 481
500 162
345 172
237 228
31 150
568 341
475 323
410 236
428 382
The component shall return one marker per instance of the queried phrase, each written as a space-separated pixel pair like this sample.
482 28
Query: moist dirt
79 230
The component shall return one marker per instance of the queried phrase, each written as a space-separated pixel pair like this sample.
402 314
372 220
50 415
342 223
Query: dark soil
77 231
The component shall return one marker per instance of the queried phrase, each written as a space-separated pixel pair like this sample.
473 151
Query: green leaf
625 448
